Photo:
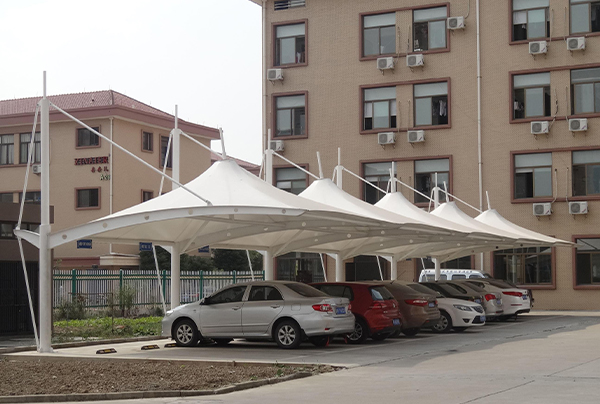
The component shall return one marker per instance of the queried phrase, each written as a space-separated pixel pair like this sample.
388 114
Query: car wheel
459 329
360 332
288 334
320 341
445 323
185 333
222 341
410 332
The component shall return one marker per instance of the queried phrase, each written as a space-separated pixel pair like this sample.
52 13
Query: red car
374 307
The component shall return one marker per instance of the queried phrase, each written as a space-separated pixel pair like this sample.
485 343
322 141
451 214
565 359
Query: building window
429 28
425 174
300 267
6 197
31 197
377 174
164 143
86 138
533 175
431 104
286 4
587 265
6 230
379 34
585 16
290 179
88 198
531 95
586 172
7 149
147 195
524 266
585 84
24 148
530 19
290 44
147 141
290 115
379 108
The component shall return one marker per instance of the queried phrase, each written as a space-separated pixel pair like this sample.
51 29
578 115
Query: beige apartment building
89 178
389 80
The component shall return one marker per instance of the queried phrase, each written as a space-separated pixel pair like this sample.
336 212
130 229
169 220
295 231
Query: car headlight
463 308
168 313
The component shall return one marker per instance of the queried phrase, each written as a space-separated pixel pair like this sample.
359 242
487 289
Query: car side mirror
204 301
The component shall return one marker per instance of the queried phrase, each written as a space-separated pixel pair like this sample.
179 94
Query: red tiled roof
67 102
253 168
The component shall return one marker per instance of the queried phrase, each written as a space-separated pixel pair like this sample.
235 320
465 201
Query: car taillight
377 306
326 308
349 306
489 297
416 302
517 294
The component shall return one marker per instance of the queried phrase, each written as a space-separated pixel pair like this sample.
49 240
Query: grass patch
106 328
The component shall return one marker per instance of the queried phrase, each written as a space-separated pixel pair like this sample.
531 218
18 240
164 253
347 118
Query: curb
50 398
82 343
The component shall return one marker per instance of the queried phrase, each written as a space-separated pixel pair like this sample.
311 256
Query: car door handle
236 308
275 306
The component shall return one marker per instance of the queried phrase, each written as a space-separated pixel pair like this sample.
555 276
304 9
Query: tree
236 260
228 260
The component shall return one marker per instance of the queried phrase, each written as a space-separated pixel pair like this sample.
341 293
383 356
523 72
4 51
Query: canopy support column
394 267
340 275
176 151
45 264
175 276
268 266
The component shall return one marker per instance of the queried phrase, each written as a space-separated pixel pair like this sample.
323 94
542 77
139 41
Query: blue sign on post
145 246
205 249
84 243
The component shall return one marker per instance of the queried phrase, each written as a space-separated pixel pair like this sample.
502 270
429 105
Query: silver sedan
284 311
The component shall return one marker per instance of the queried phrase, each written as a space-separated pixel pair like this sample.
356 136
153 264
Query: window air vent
274 74
384 138
276 145
415 60
576 43
415 136
538 47
456 22
286 4
385 63
542 209
539 127
578 125
578 208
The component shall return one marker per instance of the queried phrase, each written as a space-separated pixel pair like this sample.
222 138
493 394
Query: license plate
431 304
396 321
524 297
482 319
340 310
498 301
478 301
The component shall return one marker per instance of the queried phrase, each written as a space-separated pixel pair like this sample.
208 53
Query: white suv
428 275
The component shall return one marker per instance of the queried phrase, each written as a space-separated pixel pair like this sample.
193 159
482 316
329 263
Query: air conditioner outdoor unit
456 22
385 63
574 44
415 60
578 125
36 168
415 136
538 47
384 138
274 74
539 127
578 208
276 145
542 209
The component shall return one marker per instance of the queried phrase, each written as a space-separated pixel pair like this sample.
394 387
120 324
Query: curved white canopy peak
242 207
491 217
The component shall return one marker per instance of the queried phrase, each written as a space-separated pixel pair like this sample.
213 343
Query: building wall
335 73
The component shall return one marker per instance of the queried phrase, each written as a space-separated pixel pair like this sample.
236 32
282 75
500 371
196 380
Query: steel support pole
268 266
175 276
394 266
45 264
176 151
340 275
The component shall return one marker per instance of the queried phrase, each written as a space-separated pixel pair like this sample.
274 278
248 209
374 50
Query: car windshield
380 293
502 284
458 288
305 290
424 289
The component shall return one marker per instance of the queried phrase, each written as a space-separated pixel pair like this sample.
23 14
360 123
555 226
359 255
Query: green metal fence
98 288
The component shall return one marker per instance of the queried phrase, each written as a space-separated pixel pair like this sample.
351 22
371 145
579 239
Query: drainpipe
480 162
110 181
264 77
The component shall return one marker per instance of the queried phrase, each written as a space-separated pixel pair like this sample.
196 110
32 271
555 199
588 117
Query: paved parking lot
550 358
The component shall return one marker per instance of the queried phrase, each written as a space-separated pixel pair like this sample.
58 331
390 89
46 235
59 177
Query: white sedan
284 311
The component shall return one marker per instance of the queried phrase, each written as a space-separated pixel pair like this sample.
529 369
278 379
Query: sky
202 55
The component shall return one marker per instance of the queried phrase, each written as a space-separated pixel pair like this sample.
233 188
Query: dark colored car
418 310
454 291
375 310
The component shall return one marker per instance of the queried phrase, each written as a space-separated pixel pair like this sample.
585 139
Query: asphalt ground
540 358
